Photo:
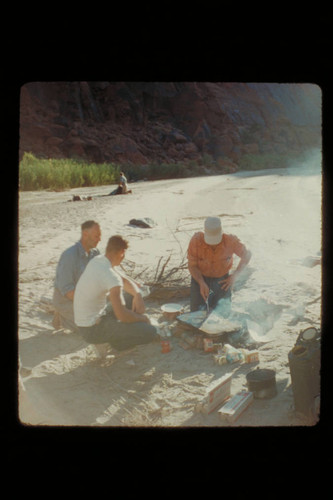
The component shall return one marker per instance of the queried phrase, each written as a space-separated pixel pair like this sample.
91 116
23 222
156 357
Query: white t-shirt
90 293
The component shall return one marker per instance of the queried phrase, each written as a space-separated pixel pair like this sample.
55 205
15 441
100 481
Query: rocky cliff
141 123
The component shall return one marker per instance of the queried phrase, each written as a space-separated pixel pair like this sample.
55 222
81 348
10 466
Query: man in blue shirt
71 265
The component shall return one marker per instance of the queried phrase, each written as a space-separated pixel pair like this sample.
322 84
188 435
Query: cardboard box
217 392
235 406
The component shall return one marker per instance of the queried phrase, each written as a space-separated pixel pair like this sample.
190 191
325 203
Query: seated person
122 325
210 258
122 186
123 183
69 269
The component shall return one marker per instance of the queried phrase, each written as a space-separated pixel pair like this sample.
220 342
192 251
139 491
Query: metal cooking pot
262 383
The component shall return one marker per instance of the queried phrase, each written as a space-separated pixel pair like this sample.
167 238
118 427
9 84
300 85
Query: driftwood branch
157 268
164 282
163 269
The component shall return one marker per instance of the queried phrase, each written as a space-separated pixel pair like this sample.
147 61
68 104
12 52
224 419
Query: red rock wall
140 123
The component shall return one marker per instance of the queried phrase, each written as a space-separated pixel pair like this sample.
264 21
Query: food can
208 345
165 346
252 357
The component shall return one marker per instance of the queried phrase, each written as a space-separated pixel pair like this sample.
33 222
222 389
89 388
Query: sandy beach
275 213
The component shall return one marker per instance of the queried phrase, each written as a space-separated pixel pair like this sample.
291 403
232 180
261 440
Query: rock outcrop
146 122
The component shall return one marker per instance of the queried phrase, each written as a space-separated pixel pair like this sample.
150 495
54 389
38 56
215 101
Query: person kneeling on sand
210 258
69 269
123 325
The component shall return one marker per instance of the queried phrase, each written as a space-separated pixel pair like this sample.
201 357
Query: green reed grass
57 174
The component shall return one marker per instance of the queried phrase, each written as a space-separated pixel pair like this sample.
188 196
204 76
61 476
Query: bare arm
133 289
70 294
243 262
192 256
120 310
197 275
230 280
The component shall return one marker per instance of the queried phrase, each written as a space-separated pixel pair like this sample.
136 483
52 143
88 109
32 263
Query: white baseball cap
213 231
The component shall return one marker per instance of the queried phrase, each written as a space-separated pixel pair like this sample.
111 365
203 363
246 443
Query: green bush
39 173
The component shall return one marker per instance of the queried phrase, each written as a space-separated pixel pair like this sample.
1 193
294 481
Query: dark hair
88 224
116 243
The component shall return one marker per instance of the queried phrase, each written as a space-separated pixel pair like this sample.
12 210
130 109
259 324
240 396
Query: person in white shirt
123 325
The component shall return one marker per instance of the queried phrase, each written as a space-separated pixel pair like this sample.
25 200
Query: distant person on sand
210 258
123 183
122 186
71 265
123 324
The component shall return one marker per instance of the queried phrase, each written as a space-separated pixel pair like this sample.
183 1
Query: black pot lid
261 374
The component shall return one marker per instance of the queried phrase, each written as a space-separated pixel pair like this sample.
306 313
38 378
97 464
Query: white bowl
171 311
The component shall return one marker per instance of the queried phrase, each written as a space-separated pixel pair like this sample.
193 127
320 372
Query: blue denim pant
197 302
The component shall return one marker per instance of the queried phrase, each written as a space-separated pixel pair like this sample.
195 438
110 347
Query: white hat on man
213 231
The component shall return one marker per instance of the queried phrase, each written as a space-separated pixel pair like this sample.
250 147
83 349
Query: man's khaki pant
64 313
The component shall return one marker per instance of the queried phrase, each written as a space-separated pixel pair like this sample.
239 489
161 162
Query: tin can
252 357
165 344
208 345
